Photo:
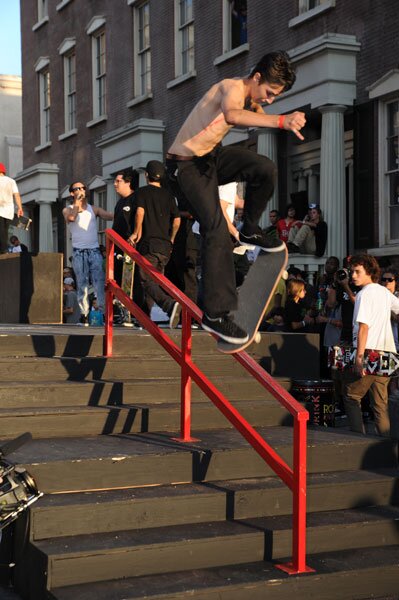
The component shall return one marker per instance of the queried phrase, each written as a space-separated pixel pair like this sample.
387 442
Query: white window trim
68 130
137 94
95 24
227 50
181 79
95 33
41 147
139 100
310 14
231 54
62 4
42 65
40 23
383 207
178 49
67 134
67 45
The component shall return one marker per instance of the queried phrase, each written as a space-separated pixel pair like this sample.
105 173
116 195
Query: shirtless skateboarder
201 164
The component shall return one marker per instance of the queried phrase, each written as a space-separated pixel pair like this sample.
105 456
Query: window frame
42 10
69 93
227 29
45 105
182 70
386 172
99 75
142 78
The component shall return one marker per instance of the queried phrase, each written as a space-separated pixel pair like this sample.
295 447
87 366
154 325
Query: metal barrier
294 478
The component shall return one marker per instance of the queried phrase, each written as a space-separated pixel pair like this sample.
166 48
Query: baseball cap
2 168
155 169
69 281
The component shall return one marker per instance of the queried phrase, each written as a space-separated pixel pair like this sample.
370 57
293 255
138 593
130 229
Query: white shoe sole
175 316
253 246
226 338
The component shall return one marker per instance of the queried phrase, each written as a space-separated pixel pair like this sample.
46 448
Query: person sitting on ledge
311 237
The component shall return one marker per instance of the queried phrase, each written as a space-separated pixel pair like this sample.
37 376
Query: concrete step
71 421
122 460
101 557
95 368
61 515
344 575
116 392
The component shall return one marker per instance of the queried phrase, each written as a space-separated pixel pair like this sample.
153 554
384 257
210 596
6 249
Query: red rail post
109 311
298 564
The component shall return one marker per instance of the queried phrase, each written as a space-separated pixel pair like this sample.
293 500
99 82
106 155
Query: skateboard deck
376 362
254 296
127 281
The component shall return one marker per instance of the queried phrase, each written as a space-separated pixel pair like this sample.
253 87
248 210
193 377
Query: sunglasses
388 279
77 189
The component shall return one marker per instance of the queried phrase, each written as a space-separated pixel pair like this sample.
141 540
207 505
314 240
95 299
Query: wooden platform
129 513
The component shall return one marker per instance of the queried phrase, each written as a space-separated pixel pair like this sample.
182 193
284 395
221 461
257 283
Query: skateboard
127 283
376 362
254 296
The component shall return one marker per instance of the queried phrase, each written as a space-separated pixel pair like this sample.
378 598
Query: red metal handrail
294 478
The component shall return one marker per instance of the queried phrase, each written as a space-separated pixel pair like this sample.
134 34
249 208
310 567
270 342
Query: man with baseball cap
8 195
157 222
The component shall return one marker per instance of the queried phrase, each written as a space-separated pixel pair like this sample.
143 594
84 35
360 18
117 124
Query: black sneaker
174 315
267 243
225 328
293 248
83 321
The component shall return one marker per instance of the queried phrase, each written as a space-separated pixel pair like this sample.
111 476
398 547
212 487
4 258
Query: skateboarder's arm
138 226
361 346
235 114
175 228
17 200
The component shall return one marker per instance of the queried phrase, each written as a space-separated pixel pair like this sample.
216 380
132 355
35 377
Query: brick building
124 73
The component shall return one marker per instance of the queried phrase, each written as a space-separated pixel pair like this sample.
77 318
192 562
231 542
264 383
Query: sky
10 38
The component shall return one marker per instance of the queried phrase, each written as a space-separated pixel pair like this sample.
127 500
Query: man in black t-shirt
125 183
157 222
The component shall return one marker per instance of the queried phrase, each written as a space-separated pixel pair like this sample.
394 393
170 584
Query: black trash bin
318 397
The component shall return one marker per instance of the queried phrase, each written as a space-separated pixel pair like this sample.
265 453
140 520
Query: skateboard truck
18 489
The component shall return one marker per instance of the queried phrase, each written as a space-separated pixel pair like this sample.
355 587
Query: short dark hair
130 176
13 239
274 210
287 208
369 263
74 183
276 68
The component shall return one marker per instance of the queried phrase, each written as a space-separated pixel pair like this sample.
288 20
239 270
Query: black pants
199 180
152 291
181 269
4 225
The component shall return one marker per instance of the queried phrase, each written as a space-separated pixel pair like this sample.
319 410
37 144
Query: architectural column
45 227
267 145
302 182
332 177
313 186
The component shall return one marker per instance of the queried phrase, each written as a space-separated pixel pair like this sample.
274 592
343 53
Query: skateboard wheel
258 338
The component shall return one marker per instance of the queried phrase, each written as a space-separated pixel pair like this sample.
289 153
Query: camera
342 274
18 489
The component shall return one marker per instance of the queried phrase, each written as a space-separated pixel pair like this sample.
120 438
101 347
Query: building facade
107 83
11 123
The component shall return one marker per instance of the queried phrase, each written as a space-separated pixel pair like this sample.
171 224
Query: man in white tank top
199 163
87 261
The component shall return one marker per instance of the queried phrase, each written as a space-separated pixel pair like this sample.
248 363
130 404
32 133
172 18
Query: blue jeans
88 267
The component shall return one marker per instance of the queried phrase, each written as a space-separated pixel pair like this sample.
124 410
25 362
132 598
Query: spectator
71 309
157 222
275 306
371 331
284 225
87 260
295 315
311 237
125 183
278 322
389 279
16 245
274 217
8 195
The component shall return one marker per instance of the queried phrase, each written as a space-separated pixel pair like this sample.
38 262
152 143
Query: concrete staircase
128 513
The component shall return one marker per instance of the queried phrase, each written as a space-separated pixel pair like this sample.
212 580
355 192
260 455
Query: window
185 37
305 5
235 24
44 90
142 50
392 171
100 199
99 75
42 9
70 91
